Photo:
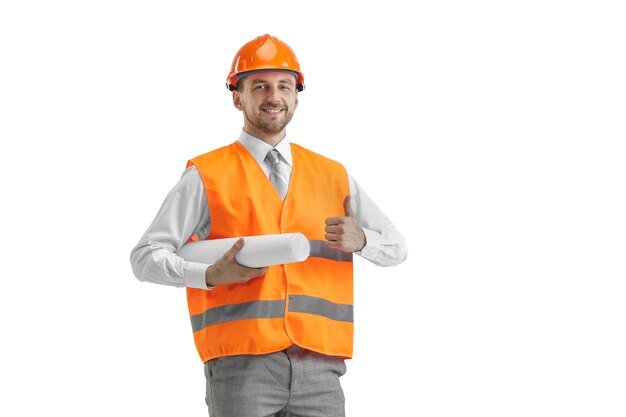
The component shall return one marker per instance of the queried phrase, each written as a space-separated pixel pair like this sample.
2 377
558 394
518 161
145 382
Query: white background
492 133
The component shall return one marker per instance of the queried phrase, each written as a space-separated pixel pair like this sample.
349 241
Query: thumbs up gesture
344 233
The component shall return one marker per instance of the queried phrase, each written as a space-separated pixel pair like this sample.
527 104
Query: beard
266 123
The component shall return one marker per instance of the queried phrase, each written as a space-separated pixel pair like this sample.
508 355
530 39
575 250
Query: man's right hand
227 270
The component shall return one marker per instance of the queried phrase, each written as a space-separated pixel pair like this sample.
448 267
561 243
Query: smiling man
273 340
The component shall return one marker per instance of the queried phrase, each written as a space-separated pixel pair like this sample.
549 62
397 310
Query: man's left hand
344 233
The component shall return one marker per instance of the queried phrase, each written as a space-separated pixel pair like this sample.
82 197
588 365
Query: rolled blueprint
257 251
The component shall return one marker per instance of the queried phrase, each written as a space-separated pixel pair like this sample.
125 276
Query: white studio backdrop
491 133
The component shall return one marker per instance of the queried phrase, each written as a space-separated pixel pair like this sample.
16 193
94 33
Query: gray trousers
294 382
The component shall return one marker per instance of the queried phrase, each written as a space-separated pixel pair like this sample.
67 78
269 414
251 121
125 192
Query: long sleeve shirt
185 212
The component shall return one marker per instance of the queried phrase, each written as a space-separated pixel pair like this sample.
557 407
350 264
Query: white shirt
185 212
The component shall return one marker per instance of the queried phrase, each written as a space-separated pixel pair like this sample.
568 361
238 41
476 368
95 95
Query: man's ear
237 100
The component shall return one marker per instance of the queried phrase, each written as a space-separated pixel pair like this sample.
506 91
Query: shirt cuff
371 243
194 275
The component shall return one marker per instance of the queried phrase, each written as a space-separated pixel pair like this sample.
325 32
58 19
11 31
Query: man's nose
272 95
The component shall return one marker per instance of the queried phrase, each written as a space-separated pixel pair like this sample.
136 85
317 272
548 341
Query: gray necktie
278 176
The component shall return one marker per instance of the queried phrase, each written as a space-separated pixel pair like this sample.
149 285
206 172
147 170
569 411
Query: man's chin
273 127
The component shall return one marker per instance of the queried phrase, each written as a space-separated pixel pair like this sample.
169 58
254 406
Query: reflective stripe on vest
321 307
264 309
320 250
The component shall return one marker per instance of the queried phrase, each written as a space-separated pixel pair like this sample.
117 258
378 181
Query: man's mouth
273 111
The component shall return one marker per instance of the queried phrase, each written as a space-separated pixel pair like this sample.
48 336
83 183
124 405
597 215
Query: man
274 339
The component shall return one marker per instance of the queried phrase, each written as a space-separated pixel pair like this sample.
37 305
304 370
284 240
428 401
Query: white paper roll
257 251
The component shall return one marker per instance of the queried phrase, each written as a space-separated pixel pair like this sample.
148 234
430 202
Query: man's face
268 100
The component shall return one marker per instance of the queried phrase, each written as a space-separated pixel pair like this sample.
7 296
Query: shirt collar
259 149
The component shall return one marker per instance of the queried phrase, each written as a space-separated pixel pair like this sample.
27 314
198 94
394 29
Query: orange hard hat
264 53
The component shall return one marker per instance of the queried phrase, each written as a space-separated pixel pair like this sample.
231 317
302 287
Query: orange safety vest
307 303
